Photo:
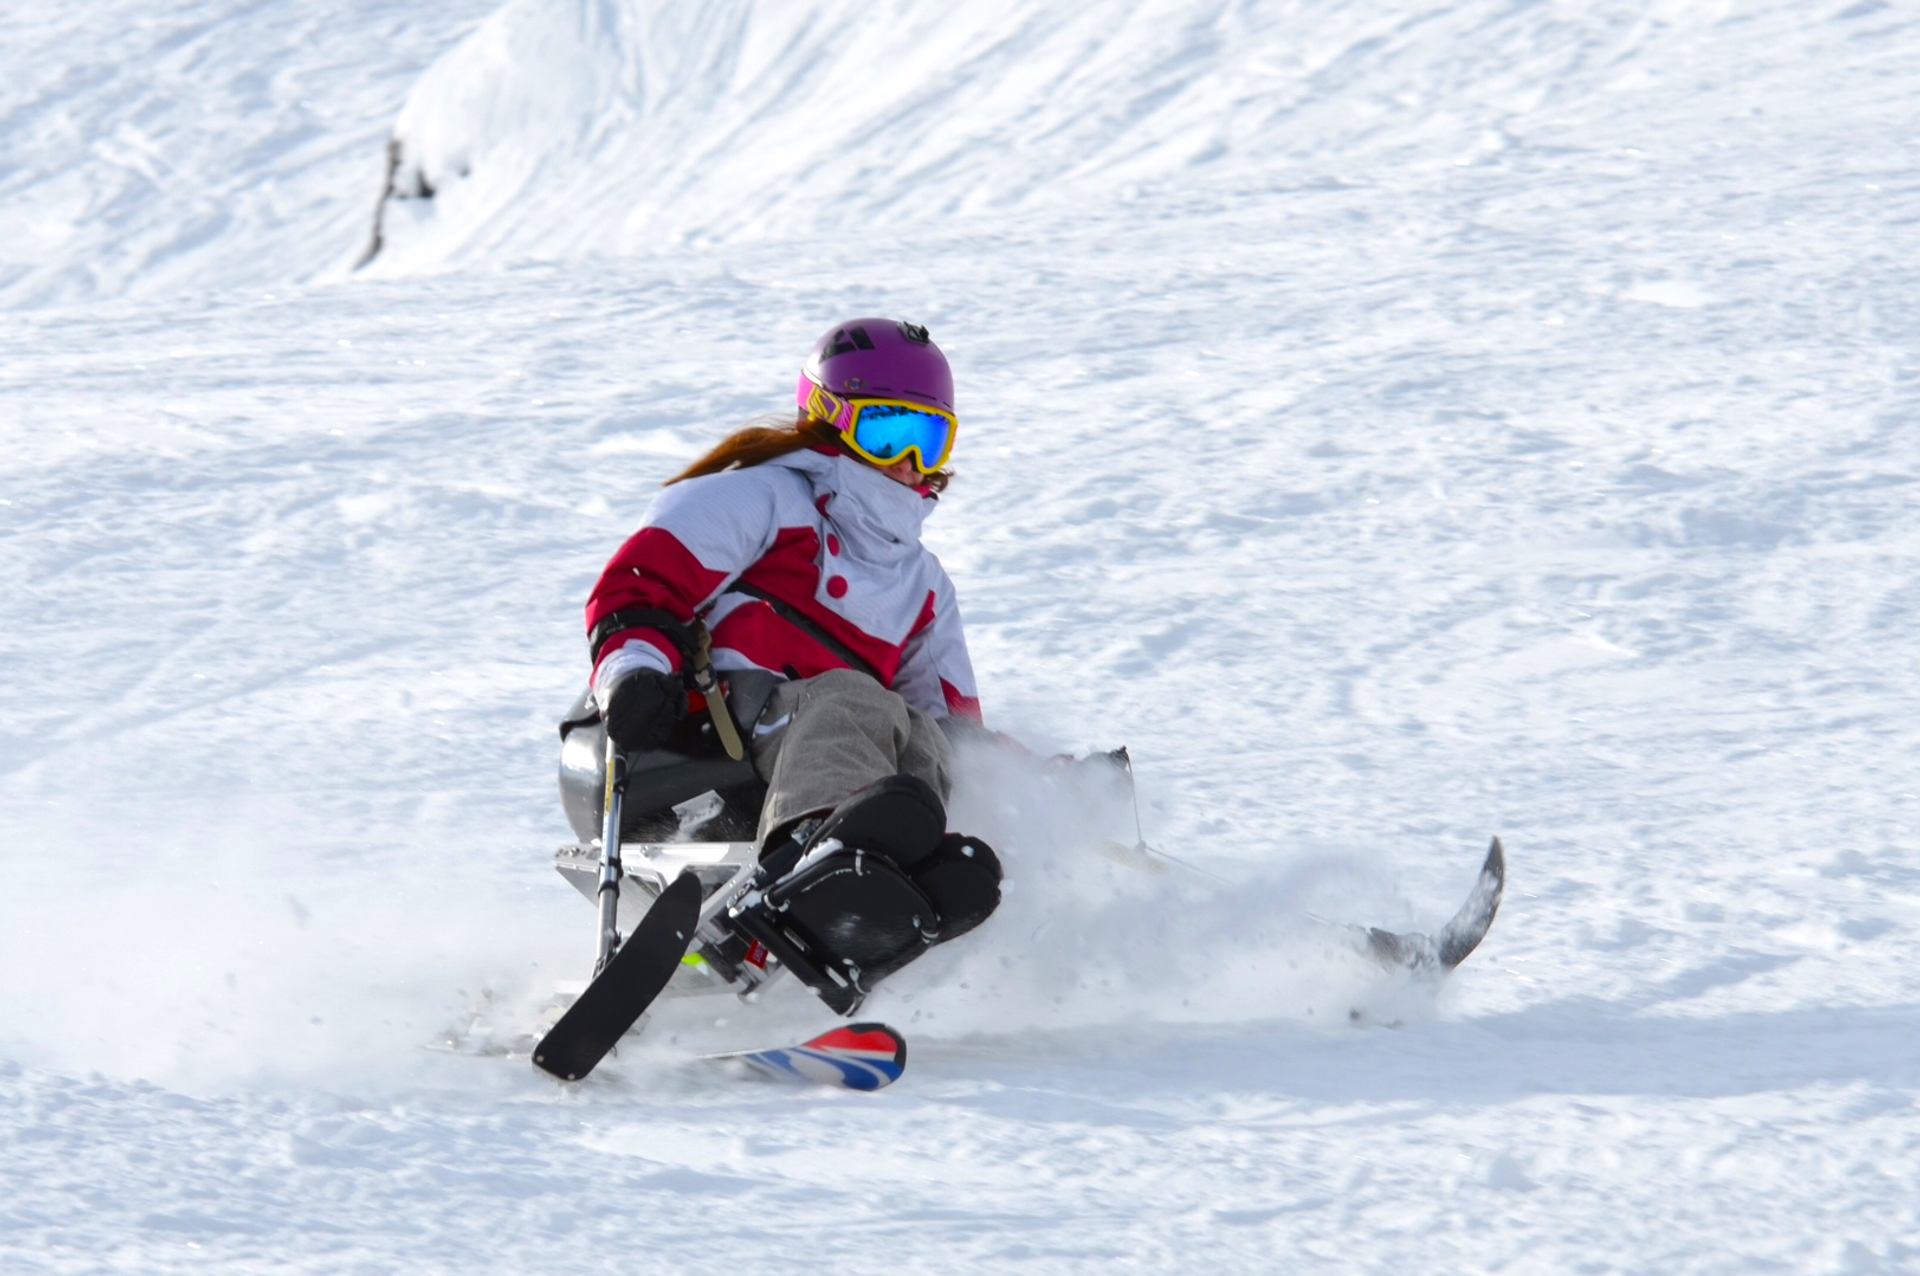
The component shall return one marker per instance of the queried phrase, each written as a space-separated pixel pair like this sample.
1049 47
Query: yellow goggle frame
906 429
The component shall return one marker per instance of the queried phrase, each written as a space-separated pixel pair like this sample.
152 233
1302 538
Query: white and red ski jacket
822 534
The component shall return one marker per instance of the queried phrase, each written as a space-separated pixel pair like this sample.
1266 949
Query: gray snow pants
824 737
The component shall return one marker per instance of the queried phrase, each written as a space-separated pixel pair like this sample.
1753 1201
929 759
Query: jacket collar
879 519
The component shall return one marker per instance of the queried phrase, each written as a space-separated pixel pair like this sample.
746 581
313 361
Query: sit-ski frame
723 868
729 875
726 871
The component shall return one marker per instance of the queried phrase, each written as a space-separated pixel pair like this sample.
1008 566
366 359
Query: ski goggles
885 430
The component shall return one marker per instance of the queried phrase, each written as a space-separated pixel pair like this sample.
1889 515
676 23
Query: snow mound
567 129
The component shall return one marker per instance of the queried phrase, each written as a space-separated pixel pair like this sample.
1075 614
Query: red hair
763 441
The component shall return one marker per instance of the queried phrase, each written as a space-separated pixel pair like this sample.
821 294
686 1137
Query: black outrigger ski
1438 954
625 986
626 977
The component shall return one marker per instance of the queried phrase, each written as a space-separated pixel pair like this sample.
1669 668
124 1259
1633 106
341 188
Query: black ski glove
643 708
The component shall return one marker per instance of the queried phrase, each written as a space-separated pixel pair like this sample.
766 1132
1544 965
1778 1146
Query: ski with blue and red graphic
858 1056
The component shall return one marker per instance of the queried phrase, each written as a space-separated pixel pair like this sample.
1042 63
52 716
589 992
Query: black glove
643 708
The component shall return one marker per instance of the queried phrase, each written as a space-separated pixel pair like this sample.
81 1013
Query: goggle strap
830 407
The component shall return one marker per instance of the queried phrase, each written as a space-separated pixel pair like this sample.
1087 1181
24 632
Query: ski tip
871 1039
856 1056
1470 925
558 1071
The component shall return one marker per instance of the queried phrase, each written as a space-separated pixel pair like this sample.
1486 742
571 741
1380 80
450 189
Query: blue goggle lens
886 431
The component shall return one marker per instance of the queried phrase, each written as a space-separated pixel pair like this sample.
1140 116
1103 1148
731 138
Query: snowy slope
151 148
1395 424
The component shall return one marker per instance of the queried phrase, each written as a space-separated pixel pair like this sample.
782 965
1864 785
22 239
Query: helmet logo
848 340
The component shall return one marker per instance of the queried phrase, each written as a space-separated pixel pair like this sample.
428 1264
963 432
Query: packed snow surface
1396 423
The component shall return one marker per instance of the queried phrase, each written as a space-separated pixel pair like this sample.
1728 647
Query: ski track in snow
1396 424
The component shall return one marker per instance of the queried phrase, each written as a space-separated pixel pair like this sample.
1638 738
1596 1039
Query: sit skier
797 547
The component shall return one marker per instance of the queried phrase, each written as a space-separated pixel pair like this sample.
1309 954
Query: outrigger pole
610 869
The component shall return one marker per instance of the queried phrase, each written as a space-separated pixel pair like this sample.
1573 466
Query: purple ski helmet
878 359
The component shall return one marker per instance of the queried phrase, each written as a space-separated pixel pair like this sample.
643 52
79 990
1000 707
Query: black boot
961 878
857 894
900 818
781 851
